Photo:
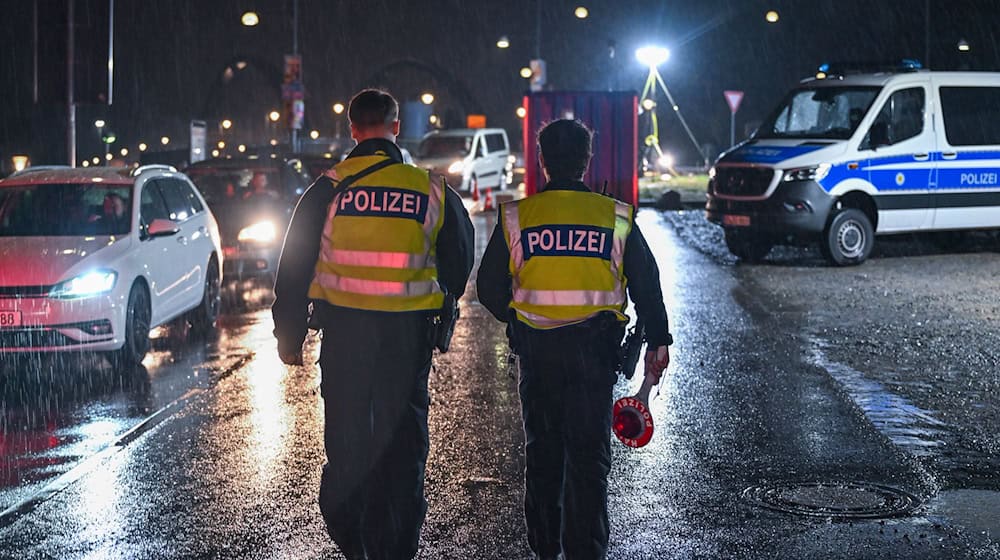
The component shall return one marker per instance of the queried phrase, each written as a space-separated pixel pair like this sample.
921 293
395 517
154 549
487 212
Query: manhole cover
840 500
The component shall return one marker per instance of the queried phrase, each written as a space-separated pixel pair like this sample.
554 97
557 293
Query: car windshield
445 146
227 185
828 113
73 209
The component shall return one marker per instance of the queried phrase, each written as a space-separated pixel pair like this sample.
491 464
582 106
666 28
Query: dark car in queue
252 199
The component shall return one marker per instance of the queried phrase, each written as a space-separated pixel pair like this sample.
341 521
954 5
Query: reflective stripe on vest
566 254
378 246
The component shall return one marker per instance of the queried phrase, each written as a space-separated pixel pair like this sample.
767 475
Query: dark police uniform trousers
566 379
375 367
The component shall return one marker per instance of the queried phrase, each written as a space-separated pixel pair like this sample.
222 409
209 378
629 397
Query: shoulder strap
350 179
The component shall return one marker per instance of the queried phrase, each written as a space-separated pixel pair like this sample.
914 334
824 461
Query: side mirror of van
879 135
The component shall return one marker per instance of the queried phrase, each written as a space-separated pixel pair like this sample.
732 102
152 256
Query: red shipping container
612 115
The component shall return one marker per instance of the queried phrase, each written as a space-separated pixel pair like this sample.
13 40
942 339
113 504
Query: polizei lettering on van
383 202
978 179
567 241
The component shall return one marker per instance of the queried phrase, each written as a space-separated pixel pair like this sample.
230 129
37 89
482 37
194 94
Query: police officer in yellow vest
374 260
556 270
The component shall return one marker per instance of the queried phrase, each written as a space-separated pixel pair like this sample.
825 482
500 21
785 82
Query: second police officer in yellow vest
556 270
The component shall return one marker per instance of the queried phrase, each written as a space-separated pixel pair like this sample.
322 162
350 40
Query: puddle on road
978 511
910 427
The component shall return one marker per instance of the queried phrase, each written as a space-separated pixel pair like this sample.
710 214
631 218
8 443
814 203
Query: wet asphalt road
787 374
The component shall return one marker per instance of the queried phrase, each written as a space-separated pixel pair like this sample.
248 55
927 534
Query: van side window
494 143
901 118
970 115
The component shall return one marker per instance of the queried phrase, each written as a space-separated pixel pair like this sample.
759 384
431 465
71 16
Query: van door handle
949 155
921 157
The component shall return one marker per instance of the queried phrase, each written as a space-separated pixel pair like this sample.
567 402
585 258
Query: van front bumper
794 208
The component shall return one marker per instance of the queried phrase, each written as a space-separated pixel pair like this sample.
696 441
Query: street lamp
503 42
124 152
427 98
652 56
581 12
250 19
164 140
521 112
771 16
274 116
338 108
314 134
142 146
227 124
525 72
963 45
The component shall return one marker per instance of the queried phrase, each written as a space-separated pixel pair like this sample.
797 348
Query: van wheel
849 238
137 318
748 246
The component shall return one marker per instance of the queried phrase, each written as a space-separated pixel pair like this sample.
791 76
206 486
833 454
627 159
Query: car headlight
261 232
89 284
813 173
456 167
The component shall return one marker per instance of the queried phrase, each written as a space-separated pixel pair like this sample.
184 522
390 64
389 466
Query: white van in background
467 155
846 157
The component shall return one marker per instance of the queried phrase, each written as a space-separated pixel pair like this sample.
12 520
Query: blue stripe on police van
566 240
768 154
383 202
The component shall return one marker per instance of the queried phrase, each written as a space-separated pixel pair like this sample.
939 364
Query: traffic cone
488 199
475 190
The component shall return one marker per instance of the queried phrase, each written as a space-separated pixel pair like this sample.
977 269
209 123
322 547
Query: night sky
171 56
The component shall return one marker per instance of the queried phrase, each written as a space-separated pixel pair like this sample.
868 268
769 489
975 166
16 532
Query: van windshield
829 112
445 146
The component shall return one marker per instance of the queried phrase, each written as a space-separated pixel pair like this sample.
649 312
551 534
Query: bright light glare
124 152
771 16
227 124
338 108
99 123
89 284
241 148
314 134
261 232
20 162
249 19
521 112
456 167
96 160
963 45
433 119
648 104
581 12
427 98
215 153
652 56
142 146
165 140
274 116
221 145
109 156
525 72
666 161
503 42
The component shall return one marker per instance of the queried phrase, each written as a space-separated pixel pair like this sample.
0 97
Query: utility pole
70 101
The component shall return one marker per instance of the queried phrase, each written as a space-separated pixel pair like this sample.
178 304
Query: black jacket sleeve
297 265
644 287
493 282
455 244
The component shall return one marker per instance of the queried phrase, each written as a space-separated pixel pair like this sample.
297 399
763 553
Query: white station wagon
92 259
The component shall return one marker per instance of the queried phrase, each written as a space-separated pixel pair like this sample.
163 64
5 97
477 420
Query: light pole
652 57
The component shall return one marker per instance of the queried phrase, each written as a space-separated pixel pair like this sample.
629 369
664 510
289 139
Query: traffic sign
733 98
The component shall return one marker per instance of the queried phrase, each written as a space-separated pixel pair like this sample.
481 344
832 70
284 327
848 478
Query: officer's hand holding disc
656 361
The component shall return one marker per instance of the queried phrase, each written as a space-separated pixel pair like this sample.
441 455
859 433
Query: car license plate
735 220
10 319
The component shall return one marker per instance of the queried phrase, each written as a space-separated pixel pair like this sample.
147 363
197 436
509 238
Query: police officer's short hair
565 146
373 107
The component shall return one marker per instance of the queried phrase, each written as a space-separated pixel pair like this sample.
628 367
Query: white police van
848 156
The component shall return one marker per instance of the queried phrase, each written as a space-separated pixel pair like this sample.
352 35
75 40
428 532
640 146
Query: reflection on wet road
214 449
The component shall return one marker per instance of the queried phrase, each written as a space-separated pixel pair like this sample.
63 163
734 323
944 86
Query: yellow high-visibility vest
566 254
378 247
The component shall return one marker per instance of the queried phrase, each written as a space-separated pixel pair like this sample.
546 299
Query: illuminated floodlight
503 42
250 19
771 16
652 56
